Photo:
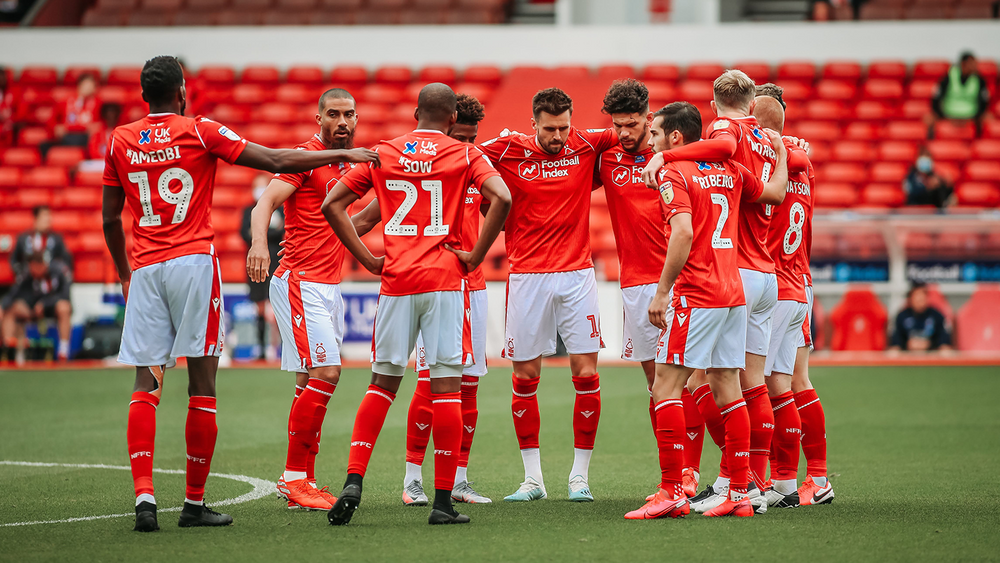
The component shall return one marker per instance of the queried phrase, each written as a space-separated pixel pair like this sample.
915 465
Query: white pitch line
261 488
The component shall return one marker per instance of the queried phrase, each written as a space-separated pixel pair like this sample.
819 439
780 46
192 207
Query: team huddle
713 239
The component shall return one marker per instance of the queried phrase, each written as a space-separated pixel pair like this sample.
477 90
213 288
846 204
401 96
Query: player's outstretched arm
366 219
259 257
774 189
678 249
495 190
288 161
718 149
335 210
112 203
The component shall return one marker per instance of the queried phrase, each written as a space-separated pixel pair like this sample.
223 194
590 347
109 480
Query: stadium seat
983 170
67 157
28 198
906 131
349 76
380 94
38 75
251 94
835 195
898 151
88 178
977 324
816 130
831 110
217 75
849 71
483 74
696 91
883 195
889 70
874 110
863 131
227 220
81 197
852 151
97 17
880 89
10 177
758 71
946 129
796 92
32 136
233 267
921 89
231 242
276 113
73 72
45 177
978 194
888 172
235 176
296 93
398 76
802 71
660 73
21 157
986 149
312 76
836 90
440 73
611 72
914 109
842 172
703 71
265 75
124 76
957 245
859 321
948 151
230 114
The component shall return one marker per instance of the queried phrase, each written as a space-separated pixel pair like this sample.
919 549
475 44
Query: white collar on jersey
160 114
428 131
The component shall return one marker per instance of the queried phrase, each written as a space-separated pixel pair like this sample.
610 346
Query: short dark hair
436 101
334 93
160 79
966 55
773 90
470 110
85 76
683 117
626 96
38 209
552 101
917 285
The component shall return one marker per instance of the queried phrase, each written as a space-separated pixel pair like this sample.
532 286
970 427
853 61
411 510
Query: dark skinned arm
366 219
288 161
495 190
112 203
335 210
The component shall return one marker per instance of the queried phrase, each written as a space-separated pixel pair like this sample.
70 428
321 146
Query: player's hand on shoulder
649 173
658 310
775 138
258 263
363 155
464 256
801 143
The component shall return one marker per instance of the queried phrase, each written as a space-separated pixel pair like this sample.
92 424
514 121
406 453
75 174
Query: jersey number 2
181 199
394 226
717 240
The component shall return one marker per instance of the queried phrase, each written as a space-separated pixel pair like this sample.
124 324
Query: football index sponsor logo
528 170
620 175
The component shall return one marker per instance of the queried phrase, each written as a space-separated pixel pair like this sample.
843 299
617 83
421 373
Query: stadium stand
858 321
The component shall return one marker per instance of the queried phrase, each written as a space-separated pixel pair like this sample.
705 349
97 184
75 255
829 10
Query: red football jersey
166 164
636 217
806 180
421 190
787 233
712 193
312 250
470 234
548 228
755 152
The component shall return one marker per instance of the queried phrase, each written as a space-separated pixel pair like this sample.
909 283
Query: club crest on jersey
144 136
529 170
720 124
228 133
320 353
667 192
410 148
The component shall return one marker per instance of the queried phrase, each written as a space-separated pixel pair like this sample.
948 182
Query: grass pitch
913 455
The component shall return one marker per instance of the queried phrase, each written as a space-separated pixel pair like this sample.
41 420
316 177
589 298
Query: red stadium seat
978 194
82 197
217 75
878 89
226 220
265 75
899 151
381 94
819 152
74 72
957 244
859 321
251 94
232 197
704 71
231 242
483 74
987 69
888 172
983 170
696 91
44 76
948 151
991 129
825 110
17 221
349 76
661 73
296 93
802 71
931 69
21 157
977 324
796 91
412 92
32 136
883 195
124 76
842 172
398 76
90 269
891 70
874 110
914 109
235 176
946 129
758 71
836 90
863 131
852 151
835 195
229 114
816 130
45 177
233 267
949 170
906 131
610 72
67 157
89 178
97 17
28 198
10 177
69 221
921 89
306 75
986 149
276 113
661 94
439 73
849 71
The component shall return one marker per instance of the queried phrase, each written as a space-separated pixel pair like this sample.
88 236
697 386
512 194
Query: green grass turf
913 457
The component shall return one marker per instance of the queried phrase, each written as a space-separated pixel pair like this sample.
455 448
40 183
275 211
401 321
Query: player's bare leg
524 410
816 489
305 424
785 443
141 437
725 385
13 328
649 370
754 391
586 417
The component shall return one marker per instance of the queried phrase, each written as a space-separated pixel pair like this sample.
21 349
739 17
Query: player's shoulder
313 143
506 138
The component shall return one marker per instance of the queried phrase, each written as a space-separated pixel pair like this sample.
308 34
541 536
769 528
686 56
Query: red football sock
470 415
813 431
761 430
311 457
141 436
737 422
200 433
306 422
524 407
652 412
787 431
695 429
587 411
670 442
418 420
716 427
447 438
367 425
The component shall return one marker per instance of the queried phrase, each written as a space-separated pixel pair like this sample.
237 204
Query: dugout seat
859 321
977 323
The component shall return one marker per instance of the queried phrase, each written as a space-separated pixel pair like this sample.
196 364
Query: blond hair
734 90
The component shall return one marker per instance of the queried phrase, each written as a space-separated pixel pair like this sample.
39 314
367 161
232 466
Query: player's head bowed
551 110
470 113
734 91
773 90
162 81
769 113
437 105
627 102
674 125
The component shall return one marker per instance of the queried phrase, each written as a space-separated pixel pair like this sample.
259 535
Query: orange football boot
810 493
301 494
689 482
661 506
730 507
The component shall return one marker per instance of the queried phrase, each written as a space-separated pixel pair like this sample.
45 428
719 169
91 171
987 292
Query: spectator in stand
920 327
42 294
97 147
78 118
925 187
259 291
41 239
961 95
6 109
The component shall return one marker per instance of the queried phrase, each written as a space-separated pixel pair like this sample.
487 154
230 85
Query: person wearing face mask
923 186
259 290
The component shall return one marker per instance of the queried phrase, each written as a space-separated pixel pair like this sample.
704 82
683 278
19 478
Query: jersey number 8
796 220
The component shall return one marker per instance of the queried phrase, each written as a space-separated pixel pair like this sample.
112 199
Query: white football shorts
789 317
439 315
703 338
310 317
639 336
761 291
479 310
